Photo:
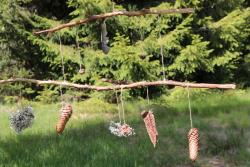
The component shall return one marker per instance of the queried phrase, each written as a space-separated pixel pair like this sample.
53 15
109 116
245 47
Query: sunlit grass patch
223 124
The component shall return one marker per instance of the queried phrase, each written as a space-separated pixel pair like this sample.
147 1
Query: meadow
223 119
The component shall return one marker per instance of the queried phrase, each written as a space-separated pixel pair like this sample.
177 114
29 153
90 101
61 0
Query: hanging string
113 6
62 63
78 51
118 107
123 112
148 96
142 38
189 106
162 61
20 98
141 34
62 58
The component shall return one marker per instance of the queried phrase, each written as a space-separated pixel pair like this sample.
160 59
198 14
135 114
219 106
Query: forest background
210 45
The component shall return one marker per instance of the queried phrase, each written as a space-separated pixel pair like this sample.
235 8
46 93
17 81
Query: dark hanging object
143 56
66 112
104 38
149 120
22 119
193 140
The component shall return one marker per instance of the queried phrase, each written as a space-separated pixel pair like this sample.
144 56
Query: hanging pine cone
193 140
66 112
126 130
149 120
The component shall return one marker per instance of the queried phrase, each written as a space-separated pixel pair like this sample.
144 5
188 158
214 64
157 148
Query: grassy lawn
222 118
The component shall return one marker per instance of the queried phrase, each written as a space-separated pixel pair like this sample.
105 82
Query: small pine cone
149 120
66 112
193 140
126 130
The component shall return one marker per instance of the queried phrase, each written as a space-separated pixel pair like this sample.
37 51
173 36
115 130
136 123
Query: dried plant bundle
22 119
121 130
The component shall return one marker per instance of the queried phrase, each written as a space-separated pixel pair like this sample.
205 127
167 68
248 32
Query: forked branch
116 13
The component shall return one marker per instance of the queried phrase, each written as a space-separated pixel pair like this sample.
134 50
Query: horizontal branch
116 13
125 86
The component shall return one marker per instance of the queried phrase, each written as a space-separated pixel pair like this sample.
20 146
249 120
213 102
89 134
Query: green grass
222 118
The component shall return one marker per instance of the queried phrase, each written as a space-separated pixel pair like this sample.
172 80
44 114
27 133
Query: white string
162 62
20 99
62 59
62 63
78 49
113 6
142 38
189 106
148 97
118 107
123 112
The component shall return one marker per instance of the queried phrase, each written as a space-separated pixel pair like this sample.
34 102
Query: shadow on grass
91 144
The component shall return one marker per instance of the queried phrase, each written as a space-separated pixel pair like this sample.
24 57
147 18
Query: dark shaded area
140 4
30 56
92 145
50 8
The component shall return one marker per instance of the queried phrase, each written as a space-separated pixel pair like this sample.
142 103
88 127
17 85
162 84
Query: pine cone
66 112
193 140
149 121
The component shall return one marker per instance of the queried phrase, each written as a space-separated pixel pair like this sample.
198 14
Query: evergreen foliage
210 45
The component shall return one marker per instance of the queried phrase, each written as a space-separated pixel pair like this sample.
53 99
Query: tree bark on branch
123 86
116 13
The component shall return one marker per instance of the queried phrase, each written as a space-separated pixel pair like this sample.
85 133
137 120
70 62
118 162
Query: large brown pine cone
149 120
66 112
193 140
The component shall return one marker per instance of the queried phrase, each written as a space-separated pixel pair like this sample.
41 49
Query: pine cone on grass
66 112
193 140
149 120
